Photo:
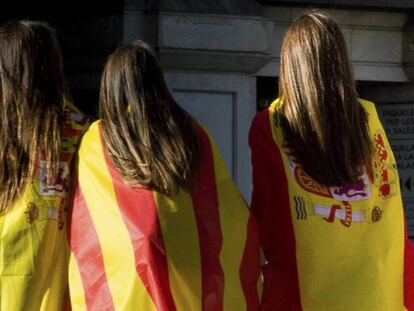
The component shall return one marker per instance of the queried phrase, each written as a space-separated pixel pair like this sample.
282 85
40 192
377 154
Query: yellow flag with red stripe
136 249
329 248
33 245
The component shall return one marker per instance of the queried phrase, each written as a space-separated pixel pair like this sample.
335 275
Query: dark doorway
267 90
87 33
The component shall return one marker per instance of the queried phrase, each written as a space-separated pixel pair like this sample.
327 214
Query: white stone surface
218 110
376 46
365 71
220 33
224 103
359 18
374 41
271 69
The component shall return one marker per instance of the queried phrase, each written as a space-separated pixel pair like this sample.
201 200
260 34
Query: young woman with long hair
157 223
38 136
326 188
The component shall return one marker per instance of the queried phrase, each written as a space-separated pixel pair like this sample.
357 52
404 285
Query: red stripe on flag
250 266
84 243
408 271
271 206
139 212
206 209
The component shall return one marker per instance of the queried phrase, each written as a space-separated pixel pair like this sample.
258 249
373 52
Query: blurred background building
221 60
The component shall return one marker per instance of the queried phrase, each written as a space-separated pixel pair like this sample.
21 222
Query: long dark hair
326 128
32 91
151 140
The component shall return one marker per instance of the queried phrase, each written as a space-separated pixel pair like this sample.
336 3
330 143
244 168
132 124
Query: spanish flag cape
33 242
329 248
136 249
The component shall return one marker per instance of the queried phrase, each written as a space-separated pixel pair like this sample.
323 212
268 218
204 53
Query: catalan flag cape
329 248
136 249
33 240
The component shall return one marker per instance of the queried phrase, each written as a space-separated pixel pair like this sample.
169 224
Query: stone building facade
221 61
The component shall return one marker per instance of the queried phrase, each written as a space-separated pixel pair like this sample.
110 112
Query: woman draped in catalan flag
40 131
326 188
157 223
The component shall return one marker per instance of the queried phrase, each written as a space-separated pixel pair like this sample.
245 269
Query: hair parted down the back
151 140
32 90
325 126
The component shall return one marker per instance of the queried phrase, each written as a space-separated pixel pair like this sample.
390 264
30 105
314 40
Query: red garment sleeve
270 204
408 273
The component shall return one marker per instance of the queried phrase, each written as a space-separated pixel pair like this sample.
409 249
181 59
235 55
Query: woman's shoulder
94 127
261 120
368 105
261 126
92 137
371 110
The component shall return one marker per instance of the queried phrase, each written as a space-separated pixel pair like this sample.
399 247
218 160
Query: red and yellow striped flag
136 249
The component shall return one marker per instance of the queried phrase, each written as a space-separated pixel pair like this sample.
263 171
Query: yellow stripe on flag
180 235
126 287
77 295
231 207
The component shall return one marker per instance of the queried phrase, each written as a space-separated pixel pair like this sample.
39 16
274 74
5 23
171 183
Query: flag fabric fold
329 248
136 249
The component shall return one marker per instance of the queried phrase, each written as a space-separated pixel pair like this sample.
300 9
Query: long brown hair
31 95
325 126
151 140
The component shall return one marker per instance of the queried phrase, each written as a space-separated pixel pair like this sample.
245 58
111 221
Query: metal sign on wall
398 123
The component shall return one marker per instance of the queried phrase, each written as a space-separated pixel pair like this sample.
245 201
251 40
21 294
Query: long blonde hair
150 139
325 126
31 95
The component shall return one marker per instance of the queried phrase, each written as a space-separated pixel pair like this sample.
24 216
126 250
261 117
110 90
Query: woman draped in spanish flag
39 133
157 223
326 187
